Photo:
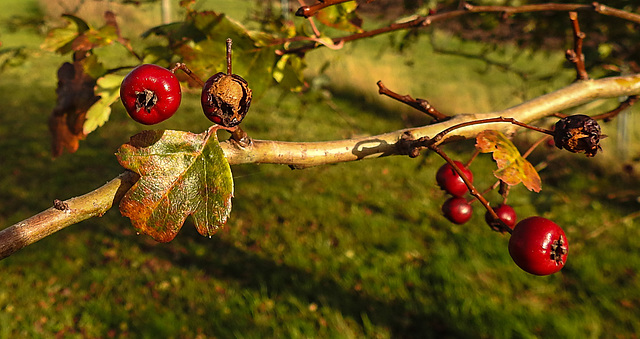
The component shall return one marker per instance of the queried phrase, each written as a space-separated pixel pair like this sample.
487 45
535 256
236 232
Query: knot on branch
409 145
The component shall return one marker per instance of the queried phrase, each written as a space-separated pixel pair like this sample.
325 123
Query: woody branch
306 154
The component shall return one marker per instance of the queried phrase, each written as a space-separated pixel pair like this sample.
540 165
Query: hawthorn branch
465 9
65 213
308 154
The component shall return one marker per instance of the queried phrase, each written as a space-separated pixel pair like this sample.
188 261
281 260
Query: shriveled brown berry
578 133
226 99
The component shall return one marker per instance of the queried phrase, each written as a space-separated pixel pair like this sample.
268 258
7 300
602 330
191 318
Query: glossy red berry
457 210
506 213
450 181
538 246
150 94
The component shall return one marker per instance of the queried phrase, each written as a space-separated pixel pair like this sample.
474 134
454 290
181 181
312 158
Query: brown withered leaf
75 95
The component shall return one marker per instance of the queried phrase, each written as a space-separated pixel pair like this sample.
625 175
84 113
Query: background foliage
352 250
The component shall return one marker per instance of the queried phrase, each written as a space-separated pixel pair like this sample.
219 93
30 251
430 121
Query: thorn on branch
419 104
575 55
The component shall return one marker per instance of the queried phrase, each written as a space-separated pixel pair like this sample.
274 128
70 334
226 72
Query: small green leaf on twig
181 174
61 39
512 167
341 16
108 89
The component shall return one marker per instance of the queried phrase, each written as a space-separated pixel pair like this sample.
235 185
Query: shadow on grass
255 272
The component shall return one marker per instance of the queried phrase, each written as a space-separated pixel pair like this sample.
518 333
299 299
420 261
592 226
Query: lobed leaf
108 89
181 174
61 39
512 167
200 43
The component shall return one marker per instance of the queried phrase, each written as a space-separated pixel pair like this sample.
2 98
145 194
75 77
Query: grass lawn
344 251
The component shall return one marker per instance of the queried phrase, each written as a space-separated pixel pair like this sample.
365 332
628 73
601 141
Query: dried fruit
226 97
578 133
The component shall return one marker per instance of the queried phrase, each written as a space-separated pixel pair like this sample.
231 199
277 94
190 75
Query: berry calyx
457 210
150 94
538 246
449 180
506 213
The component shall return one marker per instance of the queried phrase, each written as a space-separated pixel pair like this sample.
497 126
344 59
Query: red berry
450 181
506 213
150 94
457 210
538 246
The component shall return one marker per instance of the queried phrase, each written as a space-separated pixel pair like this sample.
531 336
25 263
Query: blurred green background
344 251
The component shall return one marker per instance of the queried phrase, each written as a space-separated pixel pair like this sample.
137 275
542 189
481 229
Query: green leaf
341 16
108 89
288 72
512 167
200 42
94 67
61 39
181 174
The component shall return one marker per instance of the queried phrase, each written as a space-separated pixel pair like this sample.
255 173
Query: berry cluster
152 94
456 208
537 245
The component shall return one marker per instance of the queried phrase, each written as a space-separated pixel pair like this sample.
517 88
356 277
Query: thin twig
473 157
424 21
187 71
631 100
229 43
419 104
607 116
513 121
575 55
472 190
